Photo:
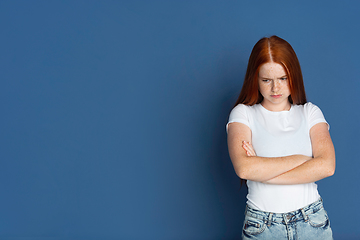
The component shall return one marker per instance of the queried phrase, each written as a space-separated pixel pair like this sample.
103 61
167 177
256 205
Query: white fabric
277 134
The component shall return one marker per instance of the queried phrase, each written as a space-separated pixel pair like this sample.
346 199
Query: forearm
248 165
319 167
310 171
262 169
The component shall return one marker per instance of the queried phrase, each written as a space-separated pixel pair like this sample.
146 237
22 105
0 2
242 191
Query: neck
277 108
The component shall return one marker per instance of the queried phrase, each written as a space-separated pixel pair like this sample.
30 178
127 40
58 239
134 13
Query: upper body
276 141
279 134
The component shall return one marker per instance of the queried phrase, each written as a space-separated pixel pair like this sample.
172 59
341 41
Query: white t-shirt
278 134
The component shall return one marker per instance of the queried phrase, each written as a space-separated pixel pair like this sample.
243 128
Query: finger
247 151
252 152
246 147
249 148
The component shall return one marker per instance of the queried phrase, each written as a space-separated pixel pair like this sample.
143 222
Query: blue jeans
310 222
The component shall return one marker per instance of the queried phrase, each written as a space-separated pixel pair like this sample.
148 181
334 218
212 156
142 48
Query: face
274 87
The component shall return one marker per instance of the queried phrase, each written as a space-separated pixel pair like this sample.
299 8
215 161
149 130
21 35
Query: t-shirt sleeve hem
319 121
237 120
315 115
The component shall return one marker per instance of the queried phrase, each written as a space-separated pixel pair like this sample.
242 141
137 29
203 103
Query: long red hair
272 49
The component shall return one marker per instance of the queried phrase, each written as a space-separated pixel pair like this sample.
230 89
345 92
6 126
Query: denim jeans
310 222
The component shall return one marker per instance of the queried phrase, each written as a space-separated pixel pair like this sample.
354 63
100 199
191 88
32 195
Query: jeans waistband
300 214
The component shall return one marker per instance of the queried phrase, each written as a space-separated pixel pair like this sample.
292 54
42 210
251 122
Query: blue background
113 113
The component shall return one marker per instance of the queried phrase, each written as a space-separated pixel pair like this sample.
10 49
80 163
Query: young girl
281 145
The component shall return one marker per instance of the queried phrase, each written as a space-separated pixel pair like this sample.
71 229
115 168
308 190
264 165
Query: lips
276 96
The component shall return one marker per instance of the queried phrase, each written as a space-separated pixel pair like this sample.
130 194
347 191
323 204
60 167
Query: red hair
272 49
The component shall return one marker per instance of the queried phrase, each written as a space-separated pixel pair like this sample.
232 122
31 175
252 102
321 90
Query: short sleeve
238 114
314 115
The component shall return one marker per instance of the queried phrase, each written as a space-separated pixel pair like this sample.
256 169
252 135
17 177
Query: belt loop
270 219
304 215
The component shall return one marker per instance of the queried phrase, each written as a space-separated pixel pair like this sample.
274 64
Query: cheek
287 89
286 86
262 89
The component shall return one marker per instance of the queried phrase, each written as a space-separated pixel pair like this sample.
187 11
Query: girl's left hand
249 149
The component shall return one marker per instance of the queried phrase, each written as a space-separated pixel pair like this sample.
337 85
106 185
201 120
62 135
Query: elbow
331 169
240 173
326 167
330 172
247 174
242 168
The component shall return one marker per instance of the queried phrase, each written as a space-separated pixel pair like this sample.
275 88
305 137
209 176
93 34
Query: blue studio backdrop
113 113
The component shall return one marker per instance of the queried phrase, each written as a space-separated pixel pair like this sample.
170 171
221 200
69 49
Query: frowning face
274 87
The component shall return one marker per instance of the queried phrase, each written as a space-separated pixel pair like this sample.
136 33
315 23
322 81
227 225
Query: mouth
276 96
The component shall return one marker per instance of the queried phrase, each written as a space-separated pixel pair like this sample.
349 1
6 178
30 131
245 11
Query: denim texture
310 222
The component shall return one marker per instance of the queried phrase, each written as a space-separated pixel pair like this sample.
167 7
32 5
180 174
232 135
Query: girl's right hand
249 149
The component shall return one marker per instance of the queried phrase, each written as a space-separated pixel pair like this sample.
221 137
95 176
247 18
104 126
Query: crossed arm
293 169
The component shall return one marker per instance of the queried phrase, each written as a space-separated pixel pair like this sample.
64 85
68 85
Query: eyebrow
271 78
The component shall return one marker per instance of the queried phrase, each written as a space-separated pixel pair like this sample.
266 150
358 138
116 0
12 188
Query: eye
266 80
283 78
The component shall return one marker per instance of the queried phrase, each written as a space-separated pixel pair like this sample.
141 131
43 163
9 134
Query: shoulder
314 114
241 113
309 107
243 108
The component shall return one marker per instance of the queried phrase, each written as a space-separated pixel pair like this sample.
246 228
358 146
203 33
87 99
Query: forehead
271 69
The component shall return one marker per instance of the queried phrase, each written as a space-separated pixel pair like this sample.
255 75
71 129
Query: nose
275 85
